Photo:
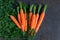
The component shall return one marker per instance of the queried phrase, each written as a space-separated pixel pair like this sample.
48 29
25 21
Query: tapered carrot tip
15 21
45 6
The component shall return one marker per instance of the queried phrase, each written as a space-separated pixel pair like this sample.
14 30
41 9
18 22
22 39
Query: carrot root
15 21
41 17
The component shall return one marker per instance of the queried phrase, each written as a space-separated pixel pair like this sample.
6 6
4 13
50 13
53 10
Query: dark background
50 28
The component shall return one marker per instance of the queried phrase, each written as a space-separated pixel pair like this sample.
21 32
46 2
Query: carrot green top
18 9
34 9
24 9
20 5
39 8
45 6
31 6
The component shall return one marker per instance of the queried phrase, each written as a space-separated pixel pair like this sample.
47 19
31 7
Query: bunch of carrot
33 19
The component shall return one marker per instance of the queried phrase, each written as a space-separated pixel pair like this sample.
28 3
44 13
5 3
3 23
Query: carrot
25 19
15 21
19 19
41 17
25 23
22 17
33 19
37 16
30 13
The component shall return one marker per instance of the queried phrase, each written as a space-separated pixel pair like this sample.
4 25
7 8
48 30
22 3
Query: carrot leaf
18 9
45 6
20 5
39 8
34 9
24 9
31 6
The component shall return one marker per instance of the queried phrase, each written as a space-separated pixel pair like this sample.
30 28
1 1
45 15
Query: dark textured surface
50 28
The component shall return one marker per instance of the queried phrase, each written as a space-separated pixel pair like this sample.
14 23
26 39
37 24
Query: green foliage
7 28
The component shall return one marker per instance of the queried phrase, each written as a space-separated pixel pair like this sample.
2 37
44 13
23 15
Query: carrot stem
39 8
45 6
31 6
18 9
24 9
20 5
34 9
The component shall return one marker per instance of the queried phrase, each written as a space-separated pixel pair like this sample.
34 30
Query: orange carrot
19 19
36 19
37 16
15 21
30 14
25 22
41 17
22 17
33 19
25 16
